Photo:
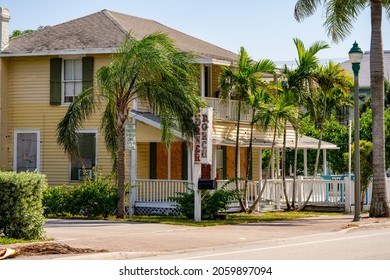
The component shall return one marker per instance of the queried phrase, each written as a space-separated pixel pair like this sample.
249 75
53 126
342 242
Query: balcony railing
228 110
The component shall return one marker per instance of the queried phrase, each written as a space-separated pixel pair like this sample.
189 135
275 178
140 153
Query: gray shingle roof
104 31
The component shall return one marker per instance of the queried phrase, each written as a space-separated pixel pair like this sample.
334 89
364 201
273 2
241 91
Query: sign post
202 152
130 145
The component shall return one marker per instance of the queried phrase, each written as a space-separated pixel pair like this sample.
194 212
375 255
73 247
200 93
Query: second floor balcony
228 110
223 110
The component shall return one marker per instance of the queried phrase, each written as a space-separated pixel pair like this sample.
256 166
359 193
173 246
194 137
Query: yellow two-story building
43 71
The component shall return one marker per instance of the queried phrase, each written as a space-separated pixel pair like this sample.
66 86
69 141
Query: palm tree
299 81
333 87
340 16
239 83
293 119
150 69
255 100
272 116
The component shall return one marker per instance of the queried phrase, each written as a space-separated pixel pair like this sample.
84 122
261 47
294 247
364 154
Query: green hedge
21 211
92 198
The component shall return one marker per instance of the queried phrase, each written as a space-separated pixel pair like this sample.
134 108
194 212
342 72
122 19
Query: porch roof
304 142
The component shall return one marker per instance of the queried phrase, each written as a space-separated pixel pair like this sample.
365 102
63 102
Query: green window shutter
184 161
55 81
87 72
153 161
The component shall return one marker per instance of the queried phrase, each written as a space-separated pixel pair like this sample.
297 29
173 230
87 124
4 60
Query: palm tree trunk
252 208
284 167
236 166
379 202
121 172
249 160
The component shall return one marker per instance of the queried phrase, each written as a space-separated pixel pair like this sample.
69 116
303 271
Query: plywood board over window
26 150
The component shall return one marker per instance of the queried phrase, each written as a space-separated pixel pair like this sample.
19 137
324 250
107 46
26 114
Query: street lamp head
355 54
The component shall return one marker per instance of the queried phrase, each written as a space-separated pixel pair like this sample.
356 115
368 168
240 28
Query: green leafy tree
339 19
17 33
365 148
150 70
333 132
366 130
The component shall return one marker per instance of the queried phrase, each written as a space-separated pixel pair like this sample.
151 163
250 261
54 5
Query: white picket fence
337 191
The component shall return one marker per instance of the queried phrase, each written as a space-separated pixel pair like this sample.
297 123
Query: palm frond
67 129
305 8
340 17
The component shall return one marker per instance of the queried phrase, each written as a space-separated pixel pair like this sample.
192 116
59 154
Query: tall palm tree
255 100
238 83
150 69
340 16
272 116
293 119
333 87
299 81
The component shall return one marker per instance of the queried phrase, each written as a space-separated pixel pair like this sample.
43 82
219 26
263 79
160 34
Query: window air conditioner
85 172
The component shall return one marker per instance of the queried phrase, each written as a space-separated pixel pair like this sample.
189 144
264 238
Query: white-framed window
72 79
83 165
26 150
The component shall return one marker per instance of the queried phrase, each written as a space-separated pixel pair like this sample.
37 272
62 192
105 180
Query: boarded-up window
26 151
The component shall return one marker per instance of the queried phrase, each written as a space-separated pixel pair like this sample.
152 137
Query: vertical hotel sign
203 136
130 141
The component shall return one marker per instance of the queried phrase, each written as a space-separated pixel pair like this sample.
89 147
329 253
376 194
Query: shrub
94 197
21 211
55 200
213 202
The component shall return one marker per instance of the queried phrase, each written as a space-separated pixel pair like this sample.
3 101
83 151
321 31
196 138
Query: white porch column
305 162
272 165
202 82
278 163
324 161
260 165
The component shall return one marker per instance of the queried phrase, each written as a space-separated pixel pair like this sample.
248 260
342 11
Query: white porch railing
228 110
330 192
325 192
159 190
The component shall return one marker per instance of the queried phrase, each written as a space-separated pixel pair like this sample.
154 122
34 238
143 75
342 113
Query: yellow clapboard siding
143 160
29 108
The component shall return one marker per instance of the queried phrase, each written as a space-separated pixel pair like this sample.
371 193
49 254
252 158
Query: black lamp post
356 56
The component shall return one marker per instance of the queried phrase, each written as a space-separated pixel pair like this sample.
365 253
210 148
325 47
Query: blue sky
264 27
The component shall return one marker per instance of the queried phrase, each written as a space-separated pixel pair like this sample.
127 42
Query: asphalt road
331 238
354 244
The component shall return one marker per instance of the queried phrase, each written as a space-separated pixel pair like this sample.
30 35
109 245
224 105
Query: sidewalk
125 240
